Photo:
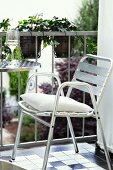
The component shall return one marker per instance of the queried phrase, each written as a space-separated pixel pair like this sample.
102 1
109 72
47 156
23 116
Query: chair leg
72 134
48 144
105 145
17 137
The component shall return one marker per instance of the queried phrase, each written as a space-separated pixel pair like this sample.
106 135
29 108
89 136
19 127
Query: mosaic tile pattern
61 157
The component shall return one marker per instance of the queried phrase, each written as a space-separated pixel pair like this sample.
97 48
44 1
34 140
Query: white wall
105 48
21 9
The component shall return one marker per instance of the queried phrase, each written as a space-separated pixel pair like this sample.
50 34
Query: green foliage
28 130
87 21
4 24
14 82
28 121
34 23
91 47
14 76
27 136
17 53
88 16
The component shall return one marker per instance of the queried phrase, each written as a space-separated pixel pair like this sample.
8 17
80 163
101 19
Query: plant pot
61 50
28 46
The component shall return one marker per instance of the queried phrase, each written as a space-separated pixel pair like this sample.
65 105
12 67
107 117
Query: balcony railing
85 35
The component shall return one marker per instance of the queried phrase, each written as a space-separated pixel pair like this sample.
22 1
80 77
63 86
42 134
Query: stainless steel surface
66 33
21 66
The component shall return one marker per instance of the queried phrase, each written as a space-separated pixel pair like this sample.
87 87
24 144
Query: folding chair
90 78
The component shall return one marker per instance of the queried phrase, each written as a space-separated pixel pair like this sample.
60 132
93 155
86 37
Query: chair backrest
94 70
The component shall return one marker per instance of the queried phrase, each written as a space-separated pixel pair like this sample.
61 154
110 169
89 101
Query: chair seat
27 108
45 102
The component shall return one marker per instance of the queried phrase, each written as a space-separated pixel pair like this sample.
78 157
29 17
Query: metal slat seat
89 77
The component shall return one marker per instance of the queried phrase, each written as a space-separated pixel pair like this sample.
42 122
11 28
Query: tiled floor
62 157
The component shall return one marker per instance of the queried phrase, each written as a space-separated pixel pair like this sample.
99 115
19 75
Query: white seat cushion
45 102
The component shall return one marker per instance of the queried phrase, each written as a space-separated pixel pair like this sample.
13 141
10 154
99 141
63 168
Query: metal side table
6 67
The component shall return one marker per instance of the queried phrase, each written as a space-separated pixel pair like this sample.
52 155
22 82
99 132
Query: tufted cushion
45 102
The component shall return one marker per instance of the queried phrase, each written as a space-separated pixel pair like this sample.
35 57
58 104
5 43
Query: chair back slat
95 89
94 69
96 73
90 78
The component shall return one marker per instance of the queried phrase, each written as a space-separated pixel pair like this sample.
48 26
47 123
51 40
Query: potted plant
27 43
38 24
61 45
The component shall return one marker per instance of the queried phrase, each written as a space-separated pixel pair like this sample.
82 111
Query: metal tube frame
67 33
73 85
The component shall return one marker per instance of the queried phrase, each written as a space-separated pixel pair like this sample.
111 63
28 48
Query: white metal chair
89 78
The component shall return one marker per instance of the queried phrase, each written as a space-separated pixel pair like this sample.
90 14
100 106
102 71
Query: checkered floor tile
61 157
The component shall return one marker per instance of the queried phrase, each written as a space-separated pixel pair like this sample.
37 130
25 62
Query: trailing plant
34 23
56 24
4 24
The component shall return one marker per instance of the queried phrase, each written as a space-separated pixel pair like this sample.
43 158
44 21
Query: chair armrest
51 75
73 85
